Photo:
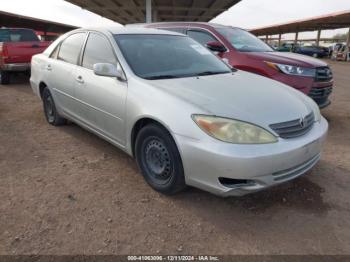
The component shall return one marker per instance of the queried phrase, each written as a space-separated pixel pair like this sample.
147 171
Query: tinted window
70 48
98 50
168 56
17 35
244 41
201 37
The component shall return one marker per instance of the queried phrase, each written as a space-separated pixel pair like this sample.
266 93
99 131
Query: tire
315 55
5 77
159 160
51 114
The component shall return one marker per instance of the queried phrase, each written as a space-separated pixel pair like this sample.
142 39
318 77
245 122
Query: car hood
240 95
287 58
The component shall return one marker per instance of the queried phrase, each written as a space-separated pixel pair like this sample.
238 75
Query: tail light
3 53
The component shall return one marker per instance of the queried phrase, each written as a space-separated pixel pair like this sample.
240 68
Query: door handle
35 46
80 80
48 68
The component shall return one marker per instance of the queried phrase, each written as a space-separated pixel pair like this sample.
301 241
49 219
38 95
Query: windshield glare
168 56
244 41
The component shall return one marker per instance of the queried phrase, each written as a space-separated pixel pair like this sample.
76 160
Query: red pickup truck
17 46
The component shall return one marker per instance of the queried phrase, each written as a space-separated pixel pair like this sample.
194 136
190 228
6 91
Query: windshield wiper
207 73
160 77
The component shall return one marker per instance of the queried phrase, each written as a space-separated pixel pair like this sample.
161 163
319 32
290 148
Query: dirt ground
65 191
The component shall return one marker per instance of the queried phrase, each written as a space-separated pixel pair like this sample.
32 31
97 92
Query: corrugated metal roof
19 21
133 11
329 21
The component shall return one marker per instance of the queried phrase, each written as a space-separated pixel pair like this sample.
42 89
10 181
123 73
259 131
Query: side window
98 50
201 36
71 47
55 52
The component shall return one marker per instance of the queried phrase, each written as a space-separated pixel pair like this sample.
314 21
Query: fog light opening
232 183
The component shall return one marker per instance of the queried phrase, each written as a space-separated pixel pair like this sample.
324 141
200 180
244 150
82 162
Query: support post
347 49
148 11
155 15
318 37
296 38
279 40
267 39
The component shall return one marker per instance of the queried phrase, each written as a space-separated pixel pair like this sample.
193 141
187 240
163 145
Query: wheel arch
142 122
42 86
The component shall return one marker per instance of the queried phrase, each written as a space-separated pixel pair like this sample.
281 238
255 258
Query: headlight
293 70
233 131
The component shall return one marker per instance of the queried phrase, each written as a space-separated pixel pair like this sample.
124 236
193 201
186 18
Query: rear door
101 99
60 71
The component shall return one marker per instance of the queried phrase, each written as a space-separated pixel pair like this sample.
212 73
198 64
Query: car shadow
19 79
301 194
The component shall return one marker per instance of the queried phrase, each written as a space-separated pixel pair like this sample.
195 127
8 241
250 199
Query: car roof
184 23
117 30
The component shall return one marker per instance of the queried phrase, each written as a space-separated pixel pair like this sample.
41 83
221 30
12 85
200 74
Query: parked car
340 53
333 47
17 46
286 47
244 51
314 51
186 116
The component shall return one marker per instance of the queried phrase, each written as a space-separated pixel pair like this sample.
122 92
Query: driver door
101 99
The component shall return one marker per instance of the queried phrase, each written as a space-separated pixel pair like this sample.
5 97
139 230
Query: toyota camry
187 118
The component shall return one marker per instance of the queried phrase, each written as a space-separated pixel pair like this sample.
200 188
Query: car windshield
168 56
244 41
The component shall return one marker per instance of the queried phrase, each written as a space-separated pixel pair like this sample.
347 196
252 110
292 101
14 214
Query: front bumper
319 91
255 167
18 67
320 96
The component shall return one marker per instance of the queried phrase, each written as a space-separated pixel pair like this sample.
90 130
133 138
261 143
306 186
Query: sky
247 14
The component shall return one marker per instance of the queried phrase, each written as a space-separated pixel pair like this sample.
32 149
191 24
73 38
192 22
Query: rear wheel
50 109
159 160
315 55
4 77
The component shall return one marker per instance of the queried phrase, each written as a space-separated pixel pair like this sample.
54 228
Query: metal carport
139 11
19 21
319 23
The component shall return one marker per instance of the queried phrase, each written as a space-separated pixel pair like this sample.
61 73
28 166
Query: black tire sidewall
177 181
5 78
57 120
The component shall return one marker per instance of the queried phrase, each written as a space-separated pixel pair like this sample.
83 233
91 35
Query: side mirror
106 69
216 47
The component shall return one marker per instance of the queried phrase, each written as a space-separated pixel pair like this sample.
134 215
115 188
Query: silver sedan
186 116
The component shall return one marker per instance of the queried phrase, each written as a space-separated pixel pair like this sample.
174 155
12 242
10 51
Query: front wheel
50 109
159 160
4 77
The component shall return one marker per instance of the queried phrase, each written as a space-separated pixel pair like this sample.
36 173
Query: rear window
71 47
17 35
176 29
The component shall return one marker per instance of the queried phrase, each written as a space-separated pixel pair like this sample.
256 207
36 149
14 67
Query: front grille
294 128
317 93
295 171
323 74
